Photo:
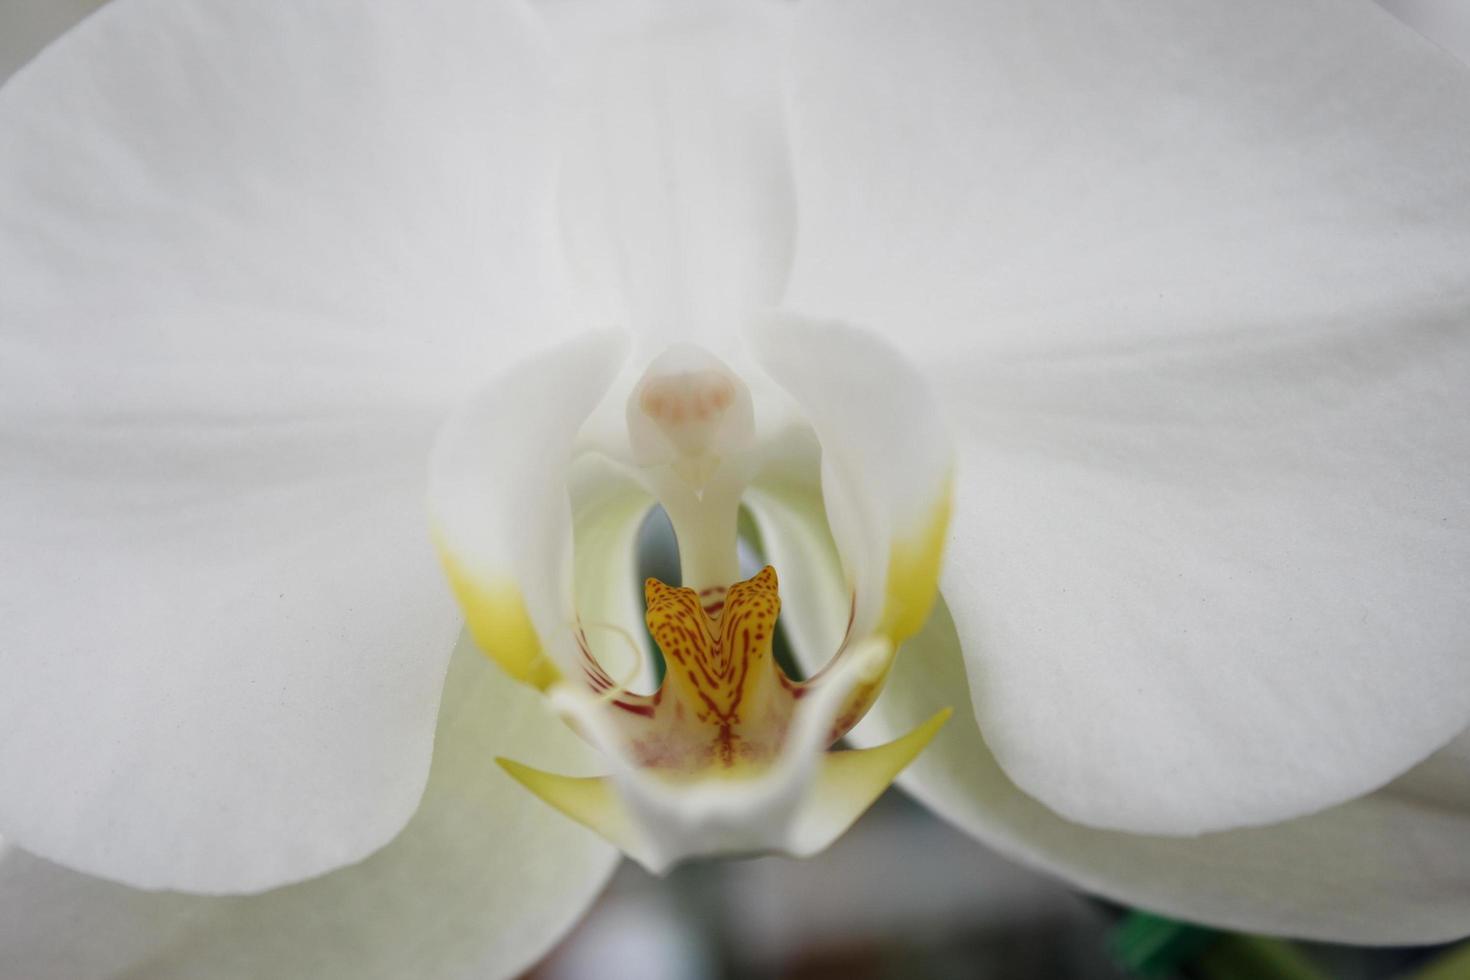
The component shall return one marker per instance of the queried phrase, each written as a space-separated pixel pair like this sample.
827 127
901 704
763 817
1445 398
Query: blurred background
903 896
900 895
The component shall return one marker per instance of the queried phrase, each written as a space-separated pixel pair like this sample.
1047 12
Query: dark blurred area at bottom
902 896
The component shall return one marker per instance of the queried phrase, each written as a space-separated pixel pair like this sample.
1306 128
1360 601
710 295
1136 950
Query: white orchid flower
1169 301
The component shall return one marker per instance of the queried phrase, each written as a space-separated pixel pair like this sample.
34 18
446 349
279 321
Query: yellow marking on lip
496 616
914 564
715 658
592 801
719 663
850 780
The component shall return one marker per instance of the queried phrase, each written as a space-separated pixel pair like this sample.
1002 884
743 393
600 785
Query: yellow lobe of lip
914 564
592 801
496 617
851 779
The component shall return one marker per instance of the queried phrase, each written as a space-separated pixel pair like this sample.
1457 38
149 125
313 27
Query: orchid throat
728 754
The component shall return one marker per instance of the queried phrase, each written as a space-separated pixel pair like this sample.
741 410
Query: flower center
729 754
724 703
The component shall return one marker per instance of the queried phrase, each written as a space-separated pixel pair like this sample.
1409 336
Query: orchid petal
27 26
1189 280
886 463
1390 867
675 182
608 510
479 884
1206 589
233 316
499 500
1445 22
785 502
983 176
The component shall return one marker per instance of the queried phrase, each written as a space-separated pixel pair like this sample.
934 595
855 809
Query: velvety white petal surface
250 252
480 883
1391 867
675 180
1445 22
26 26
983 175
785 501
1189 281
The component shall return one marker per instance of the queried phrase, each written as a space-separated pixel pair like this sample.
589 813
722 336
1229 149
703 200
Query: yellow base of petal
914 563
496 617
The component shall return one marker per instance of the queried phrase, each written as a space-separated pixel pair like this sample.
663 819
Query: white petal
479 884
1210 588
250 249
26 26
223 646
1388 868
352 204
499 500
886 462
676 190
785 502
1190 283
608 510
1445 22
1019 175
